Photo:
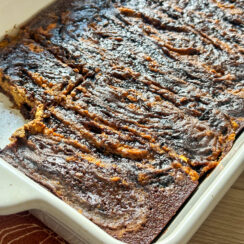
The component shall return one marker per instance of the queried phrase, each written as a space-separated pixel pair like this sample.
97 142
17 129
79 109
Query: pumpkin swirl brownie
132 102
32 76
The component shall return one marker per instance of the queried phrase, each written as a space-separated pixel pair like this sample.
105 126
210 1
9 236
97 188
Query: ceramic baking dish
19 193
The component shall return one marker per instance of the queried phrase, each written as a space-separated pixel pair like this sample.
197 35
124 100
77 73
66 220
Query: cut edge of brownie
18 96
30 86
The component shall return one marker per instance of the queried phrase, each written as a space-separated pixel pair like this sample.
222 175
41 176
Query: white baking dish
19 193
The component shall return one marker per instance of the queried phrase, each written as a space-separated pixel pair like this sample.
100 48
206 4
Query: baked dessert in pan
130 104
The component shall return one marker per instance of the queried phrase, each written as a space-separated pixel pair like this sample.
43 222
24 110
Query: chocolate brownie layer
128 198
194 69
195 78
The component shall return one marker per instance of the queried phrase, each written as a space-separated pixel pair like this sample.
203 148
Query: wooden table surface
225 225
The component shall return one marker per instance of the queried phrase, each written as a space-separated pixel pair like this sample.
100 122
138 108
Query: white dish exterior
19 193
